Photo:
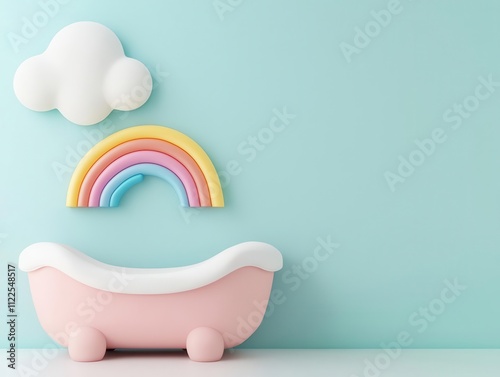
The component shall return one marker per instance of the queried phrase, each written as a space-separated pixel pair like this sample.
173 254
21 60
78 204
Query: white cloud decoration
85 74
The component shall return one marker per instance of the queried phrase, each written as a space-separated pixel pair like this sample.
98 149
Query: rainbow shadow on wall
121 161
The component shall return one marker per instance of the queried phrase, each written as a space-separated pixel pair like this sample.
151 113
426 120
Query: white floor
304 363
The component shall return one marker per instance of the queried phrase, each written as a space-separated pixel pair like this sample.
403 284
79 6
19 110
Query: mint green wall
341 173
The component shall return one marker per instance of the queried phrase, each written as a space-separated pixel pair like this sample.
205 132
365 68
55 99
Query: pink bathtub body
89 306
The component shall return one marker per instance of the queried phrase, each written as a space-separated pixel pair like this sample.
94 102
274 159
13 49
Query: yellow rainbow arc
100 154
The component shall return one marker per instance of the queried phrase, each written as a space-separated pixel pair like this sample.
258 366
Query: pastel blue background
322 176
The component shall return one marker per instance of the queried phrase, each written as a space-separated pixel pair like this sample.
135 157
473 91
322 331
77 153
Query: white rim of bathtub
106 277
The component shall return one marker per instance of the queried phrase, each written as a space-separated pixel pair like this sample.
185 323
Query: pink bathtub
89 306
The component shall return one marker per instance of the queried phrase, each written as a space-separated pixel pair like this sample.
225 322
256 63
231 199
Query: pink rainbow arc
165 154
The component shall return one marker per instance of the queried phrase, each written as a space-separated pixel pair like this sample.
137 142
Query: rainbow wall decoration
121 160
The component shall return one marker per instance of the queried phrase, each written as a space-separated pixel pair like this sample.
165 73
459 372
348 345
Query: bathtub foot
205 344
87 344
